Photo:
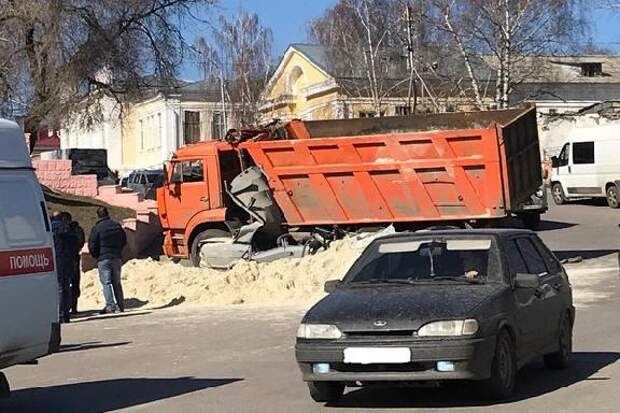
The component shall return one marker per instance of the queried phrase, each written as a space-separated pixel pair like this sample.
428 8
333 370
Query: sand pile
286 281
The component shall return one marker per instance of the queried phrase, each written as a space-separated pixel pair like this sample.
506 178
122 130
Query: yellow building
303 87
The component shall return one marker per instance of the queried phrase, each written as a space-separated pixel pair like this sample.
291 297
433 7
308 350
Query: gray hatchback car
436 306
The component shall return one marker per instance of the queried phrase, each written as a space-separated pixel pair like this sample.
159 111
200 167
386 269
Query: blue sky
288 18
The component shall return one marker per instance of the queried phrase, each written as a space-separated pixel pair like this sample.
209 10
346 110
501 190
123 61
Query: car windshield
423 260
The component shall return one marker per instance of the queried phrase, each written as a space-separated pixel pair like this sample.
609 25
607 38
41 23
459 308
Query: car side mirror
523 280
331 285
555 162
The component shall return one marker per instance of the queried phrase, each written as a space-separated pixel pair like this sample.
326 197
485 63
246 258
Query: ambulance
29 325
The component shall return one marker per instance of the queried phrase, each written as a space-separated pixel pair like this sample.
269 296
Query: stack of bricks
56 174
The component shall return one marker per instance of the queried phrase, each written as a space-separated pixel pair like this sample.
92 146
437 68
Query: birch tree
239 54
506 33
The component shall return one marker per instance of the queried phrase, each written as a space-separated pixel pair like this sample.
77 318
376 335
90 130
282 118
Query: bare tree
362 42
54 53
239 56
501 35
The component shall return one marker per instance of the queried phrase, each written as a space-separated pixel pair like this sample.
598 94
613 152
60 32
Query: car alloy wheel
505 363
501 384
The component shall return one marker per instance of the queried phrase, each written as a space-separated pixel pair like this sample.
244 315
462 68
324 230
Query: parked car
29 325
439 306
588 166
145 182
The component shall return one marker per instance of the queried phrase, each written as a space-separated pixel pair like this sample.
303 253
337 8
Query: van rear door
28 282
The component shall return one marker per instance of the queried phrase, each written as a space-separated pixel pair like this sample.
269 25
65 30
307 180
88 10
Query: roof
500 232
13 151
314 52
588 92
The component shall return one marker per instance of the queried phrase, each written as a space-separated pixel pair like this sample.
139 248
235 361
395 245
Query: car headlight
449 328
318 331
540 193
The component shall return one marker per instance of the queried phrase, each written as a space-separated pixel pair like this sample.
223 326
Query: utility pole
411 91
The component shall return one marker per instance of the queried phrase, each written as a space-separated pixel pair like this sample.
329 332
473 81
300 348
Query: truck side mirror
523 280
331 285
555 162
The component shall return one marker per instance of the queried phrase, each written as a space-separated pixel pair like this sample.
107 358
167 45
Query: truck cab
193 203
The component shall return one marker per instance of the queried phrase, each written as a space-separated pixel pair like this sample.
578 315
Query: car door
188 192
558 297
562 171
583 177
543 295
529 302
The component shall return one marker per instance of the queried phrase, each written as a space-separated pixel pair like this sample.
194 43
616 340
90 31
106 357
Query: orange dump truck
284 191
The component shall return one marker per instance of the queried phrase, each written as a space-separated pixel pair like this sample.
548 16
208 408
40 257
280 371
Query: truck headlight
449 328
318 331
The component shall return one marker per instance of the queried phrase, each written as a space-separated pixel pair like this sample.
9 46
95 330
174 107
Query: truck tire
612 196
200 238
557 192
501 384
531 220
325 391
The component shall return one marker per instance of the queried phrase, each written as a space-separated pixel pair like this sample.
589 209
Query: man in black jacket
106 242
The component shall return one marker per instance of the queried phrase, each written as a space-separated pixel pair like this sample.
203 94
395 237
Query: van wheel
501 384
558 194
202 237
612 196
561 358
325 391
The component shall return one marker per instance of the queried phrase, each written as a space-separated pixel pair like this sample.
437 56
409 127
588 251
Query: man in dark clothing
105 244
65 244
76 273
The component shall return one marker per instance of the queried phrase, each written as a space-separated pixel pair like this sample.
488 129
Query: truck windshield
440 259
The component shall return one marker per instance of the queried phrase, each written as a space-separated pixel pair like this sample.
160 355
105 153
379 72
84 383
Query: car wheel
325 391
501 384
612 196
200 238
561 358
557 192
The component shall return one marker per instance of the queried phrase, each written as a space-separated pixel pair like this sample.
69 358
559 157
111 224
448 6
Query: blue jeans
110 277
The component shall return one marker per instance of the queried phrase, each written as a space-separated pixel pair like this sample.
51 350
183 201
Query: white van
29 326
588 166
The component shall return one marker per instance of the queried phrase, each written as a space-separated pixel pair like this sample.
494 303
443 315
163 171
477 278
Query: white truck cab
588 166
29 325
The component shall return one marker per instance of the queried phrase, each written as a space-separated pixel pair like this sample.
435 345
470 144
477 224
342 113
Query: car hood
402 307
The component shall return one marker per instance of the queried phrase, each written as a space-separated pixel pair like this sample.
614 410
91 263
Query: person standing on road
76 272
105 244
65 244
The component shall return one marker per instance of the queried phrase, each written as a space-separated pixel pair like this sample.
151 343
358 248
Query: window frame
535 249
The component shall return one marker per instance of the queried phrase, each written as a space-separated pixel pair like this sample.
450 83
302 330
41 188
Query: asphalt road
241 359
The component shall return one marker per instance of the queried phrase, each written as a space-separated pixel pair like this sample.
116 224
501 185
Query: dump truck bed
457 166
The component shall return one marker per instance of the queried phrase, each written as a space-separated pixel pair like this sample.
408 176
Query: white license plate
375 355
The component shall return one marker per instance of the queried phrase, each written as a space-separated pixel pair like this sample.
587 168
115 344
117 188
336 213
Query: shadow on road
584 254
91 345
105 395
553 225
534 380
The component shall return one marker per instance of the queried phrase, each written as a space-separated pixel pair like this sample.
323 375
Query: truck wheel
200 238
560 359
558 194
501 384
325 391
612 196
531 220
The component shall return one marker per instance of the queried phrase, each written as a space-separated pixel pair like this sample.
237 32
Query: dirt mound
158 284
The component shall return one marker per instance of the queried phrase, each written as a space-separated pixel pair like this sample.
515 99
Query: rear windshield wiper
459 278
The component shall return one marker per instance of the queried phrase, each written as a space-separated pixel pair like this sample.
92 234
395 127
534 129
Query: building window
552 111
591 69
160 132
191 127
583 153
368 114
141 134
403 110
217 125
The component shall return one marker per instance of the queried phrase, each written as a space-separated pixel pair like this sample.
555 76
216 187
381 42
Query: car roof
496 232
